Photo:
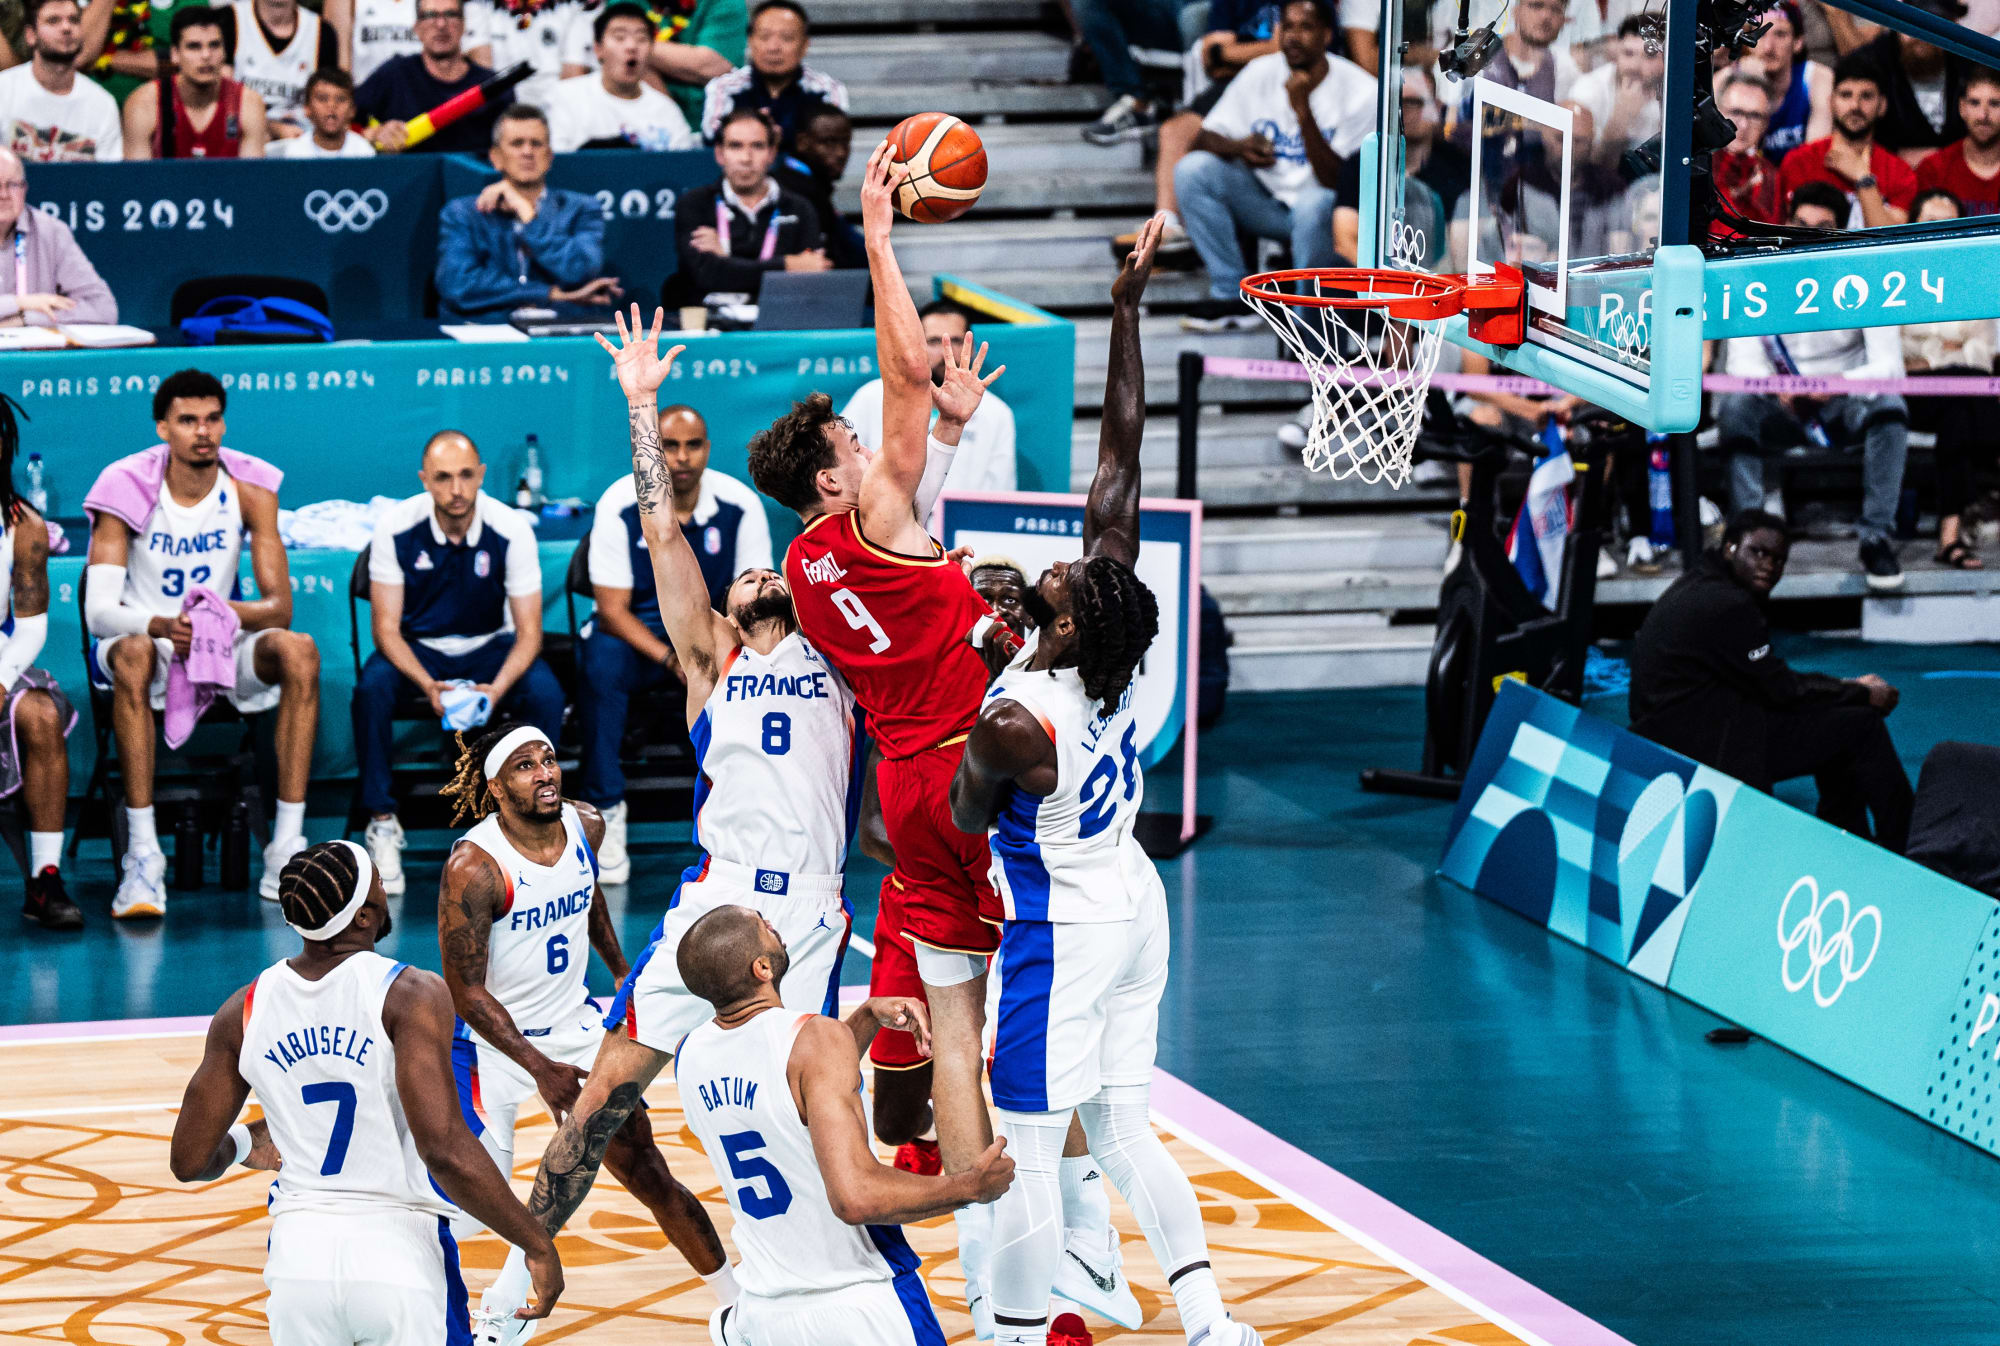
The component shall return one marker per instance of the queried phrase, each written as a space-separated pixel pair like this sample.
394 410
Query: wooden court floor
98 1243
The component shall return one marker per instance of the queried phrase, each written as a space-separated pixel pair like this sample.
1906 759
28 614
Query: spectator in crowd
1801 89
1741 170
1961 424
207 114
1754 426
376 32
167 525
1530 60
985 456
278 45
625 650
731 232
53 282
552 36
455 597
1275 157
404 87
330 110
697 41
1707 683
1878 182
124 41
1619 99
1969 168
777 81
1921 87
813 171
521 242
1111 28
47 114
615 107
1436 173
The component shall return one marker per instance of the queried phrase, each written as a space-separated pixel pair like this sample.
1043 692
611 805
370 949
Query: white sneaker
497 1327
384 839
1093 1276
1292 434
143 890
1607 564
1639 552
614 862
276 856
1228 1332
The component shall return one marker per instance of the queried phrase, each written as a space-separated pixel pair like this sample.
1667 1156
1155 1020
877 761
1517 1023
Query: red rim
1415 296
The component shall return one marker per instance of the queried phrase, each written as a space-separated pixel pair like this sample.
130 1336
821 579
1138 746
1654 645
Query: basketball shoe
1228 1332
143 890
920 1157
1092 1275
1068 1330
384 839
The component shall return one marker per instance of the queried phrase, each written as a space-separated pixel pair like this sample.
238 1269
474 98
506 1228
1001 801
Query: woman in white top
1951 348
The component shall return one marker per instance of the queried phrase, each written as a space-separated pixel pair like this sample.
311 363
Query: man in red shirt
1876 179
1741 171
1970 168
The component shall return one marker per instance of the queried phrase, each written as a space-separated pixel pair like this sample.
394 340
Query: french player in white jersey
519 911
1051 772
774 1097
348 1053
143 570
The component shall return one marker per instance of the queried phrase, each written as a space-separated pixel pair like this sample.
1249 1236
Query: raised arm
1007 747
603 930
1111 515
273 605
889 486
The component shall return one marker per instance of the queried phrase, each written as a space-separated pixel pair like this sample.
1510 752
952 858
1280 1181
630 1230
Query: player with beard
776 735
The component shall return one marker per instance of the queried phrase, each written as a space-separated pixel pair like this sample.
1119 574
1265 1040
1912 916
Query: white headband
363 881
504 749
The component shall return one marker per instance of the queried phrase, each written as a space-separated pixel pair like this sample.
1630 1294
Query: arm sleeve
938 459
610 556
524 560
568 241
106 614
468 280
78 279
19 650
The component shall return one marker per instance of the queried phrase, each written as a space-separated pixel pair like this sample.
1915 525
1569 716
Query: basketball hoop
1369 340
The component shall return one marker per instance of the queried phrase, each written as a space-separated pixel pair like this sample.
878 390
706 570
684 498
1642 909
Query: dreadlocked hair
11 501
1116 619
316 883
467 787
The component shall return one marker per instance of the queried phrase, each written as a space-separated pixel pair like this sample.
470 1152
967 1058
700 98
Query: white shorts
376 1278
1075 1007
251 695
810 915
876 1314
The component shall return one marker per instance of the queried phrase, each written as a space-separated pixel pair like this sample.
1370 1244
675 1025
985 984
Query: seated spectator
330 109
985 459
405 87
777 81
1753 426
376 32
167 526
625 650
46 114
61 284
553 36
1742 172
207 114
1970 168
1275 157
731 232
1111 28
1801 89
1620 99
695 41
520 242
1707 683
454 594
1921 87
279 43
1879 184
616 107
813 171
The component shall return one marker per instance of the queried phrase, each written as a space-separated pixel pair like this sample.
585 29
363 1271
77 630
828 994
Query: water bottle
531 472
38 485
1660 492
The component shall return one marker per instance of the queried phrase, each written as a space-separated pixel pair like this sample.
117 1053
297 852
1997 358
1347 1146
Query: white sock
1021 1336
510 1289
141 834
290 822
723 1282
44 851
1199 1301
1086 1205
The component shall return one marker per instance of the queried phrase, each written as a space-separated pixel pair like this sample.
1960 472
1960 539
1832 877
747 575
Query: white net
1369 374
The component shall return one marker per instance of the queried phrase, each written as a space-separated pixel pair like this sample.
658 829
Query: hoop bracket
1496 307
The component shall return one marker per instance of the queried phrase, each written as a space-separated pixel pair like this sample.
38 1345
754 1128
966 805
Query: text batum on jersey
320 1040
823 570
730 1091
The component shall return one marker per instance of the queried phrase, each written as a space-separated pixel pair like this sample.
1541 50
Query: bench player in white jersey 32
774 1097
775 733
519 911
349 1055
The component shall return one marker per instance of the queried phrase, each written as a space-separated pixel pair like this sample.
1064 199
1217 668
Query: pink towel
130 487
210 666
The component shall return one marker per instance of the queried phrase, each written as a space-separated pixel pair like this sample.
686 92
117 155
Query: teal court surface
1541 1133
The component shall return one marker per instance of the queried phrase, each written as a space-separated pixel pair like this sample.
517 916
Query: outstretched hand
879 182
959 395
1138 268
641 368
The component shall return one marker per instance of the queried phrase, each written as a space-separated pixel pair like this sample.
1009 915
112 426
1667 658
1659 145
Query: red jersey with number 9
895 627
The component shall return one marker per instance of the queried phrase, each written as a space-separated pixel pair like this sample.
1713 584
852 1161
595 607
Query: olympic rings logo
1822 950
346 209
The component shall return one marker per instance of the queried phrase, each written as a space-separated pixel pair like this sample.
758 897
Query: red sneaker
1068 1330
920 1156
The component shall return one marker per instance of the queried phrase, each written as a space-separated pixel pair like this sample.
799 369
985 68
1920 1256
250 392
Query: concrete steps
830 16
1274 654
921 62
984 247
1321 544
878 103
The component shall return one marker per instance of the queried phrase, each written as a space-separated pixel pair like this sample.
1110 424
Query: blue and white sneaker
1092 1276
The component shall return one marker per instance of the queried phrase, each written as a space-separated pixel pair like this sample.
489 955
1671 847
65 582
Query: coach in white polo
985 460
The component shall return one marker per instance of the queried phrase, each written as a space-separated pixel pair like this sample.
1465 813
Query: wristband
239 1135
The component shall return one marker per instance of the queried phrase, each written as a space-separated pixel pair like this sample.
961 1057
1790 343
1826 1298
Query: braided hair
316 883
11 501
1116 619
467 787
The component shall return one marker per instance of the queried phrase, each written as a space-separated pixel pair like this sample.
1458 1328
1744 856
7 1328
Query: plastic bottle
523 497
531 473
38 485
1660 492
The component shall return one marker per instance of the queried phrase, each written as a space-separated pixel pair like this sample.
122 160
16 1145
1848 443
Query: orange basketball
947 166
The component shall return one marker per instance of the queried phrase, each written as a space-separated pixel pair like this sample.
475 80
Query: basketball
946 163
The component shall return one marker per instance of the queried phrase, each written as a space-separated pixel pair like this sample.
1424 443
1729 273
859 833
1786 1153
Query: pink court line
104 1030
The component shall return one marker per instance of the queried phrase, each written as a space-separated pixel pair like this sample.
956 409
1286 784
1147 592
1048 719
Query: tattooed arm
603 930
471 898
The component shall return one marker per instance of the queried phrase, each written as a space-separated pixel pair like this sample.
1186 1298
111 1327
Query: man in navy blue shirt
455 593
625 648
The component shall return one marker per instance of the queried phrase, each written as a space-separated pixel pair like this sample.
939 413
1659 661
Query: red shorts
946 887
894 973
